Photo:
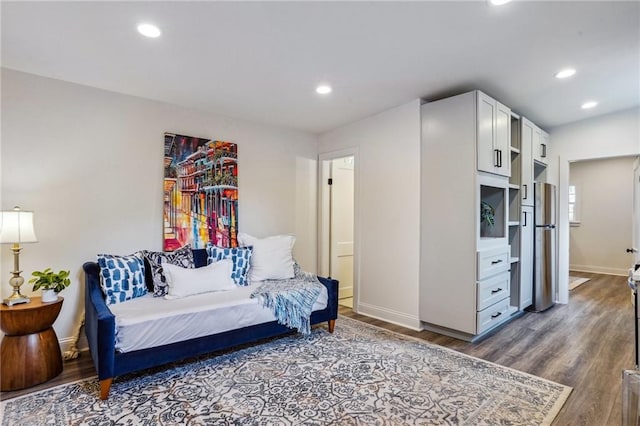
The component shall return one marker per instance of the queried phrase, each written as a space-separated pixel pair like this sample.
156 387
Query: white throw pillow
185 282
271 259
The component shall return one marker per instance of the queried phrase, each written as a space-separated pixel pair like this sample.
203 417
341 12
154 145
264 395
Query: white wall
387 214
605 198
3 277
610 135
90 164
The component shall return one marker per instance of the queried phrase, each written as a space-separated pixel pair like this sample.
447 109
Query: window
574 206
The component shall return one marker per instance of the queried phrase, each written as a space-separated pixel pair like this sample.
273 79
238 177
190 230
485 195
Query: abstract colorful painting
200 192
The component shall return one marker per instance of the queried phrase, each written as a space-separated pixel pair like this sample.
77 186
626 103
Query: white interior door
341 228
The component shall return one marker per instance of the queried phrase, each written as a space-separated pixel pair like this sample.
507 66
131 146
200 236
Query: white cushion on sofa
272 258
148 322
185 282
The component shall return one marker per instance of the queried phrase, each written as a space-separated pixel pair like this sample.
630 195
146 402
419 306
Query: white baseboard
391 316
345 292
65 343
599 270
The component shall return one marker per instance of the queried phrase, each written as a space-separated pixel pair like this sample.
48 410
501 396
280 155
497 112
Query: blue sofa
100 330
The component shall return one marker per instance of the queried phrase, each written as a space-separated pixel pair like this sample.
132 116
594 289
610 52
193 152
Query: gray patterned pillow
181 257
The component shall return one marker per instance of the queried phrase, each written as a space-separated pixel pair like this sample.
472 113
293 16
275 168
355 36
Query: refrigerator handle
525 216
525 191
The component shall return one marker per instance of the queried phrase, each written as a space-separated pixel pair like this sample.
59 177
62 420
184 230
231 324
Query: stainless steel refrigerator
544 246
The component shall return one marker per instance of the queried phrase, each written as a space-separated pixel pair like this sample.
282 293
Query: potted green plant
487 214
50 282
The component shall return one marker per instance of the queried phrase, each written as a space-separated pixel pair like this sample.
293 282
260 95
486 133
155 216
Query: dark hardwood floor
585 344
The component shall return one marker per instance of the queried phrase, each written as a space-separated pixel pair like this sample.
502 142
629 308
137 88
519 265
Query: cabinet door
526 154
540 151
493 136
486 133
539 145
526 258
502 143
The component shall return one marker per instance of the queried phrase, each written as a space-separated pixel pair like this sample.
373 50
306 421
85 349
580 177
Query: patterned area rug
360 375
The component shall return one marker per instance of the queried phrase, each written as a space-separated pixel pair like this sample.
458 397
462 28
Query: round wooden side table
29 353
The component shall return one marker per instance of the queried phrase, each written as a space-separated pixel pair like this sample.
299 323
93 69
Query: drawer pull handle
496 315
497 290
495 262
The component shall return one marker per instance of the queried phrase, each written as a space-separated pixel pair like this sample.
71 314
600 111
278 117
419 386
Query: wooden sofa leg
332 325
105 385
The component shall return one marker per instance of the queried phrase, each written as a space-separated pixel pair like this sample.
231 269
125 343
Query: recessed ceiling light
499 2
149 30
323 89
565 73
589 105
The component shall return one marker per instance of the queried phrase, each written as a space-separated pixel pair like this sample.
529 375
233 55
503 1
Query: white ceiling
261 61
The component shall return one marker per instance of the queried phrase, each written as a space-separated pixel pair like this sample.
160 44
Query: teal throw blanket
291 300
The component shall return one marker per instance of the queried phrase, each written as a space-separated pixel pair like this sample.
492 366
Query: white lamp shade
16 226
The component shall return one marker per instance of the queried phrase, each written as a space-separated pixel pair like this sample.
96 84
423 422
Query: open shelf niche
539 172
514 207
514 243
515 148
515 181
494 197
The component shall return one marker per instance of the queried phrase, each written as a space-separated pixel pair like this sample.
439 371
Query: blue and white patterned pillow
182 257
121 277
240 257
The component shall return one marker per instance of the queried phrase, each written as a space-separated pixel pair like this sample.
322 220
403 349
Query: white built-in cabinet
515 219
494 130
533 156
525 289
475 276
538 141
526 137
464 262
540 144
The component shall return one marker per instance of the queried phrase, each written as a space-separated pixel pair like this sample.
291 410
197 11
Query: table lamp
16 227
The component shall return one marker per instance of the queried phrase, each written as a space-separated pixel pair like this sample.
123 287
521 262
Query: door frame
324 214
635 224
563 221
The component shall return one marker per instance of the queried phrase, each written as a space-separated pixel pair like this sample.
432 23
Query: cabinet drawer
493 315
493 261
493 290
